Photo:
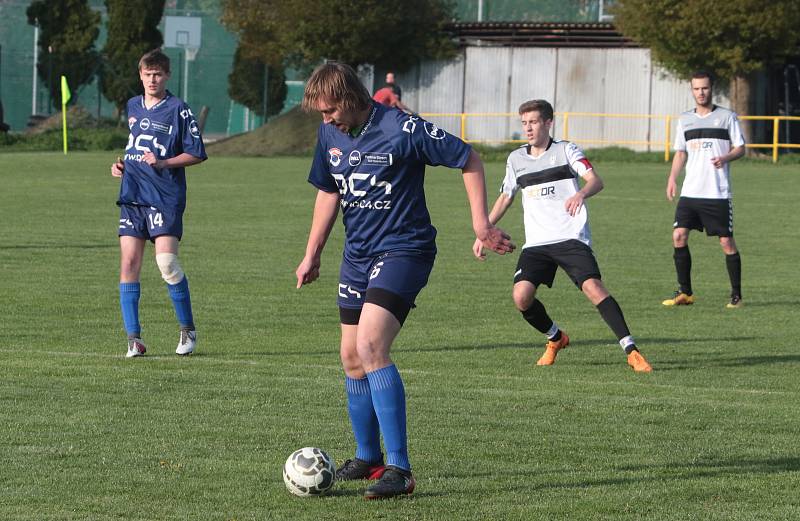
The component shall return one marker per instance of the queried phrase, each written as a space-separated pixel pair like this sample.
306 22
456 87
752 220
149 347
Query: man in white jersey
706 140
557 231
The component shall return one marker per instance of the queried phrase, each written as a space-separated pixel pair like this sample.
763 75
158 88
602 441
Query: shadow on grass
64 246
676 471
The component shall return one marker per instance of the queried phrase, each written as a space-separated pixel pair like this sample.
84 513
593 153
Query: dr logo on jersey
335 156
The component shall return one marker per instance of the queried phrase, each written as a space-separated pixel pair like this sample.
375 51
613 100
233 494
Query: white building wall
498 79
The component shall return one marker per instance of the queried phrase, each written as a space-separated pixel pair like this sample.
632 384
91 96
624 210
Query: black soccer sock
612 314
537 316
683 266
734 264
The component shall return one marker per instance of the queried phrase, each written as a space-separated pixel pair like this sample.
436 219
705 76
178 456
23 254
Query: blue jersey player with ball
370 163
164 139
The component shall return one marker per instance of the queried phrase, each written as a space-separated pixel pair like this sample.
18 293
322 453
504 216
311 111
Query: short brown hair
338 83
544 108
154 59
700 74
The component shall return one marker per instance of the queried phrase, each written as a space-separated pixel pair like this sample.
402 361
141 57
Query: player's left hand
151 159
496 240
574 203
718 162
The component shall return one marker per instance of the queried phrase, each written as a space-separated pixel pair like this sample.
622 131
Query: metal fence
563 126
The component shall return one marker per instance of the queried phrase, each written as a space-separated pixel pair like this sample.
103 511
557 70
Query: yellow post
566 126
775 128
463 126
65 96
668 137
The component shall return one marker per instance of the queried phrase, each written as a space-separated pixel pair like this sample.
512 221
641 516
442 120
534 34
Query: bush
77 139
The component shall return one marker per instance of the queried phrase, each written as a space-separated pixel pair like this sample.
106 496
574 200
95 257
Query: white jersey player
547 173
707 139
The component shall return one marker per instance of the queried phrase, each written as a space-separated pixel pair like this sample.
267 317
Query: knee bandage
170 268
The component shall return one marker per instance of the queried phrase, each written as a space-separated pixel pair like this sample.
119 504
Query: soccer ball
309 472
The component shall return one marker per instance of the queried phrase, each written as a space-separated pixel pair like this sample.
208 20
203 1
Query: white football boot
135 348
187 342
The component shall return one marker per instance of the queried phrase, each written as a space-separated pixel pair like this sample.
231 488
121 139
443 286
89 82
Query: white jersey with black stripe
546 182
703 138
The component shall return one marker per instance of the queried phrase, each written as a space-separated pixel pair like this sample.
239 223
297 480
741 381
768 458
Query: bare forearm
181 160
326 207
501 205
475 185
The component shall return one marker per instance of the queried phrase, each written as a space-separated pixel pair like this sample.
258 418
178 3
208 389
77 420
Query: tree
67 32
246 84
731 38
132 31
391 35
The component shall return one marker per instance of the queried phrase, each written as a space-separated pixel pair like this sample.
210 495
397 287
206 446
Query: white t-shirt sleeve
577 160
735 131
509 186
680 139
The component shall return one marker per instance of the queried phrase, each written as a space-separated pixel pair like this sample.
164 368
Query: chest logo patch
144 124
335 156
131 122
355 158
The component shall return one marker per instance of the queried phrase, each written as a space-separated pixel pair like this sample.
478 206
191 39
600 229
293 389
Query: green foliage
711 435
246 84
132 31
730 37
392 35
67 32
77 139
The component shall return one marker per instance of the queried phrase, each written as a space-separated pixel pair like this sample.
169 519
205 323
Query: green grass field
711 434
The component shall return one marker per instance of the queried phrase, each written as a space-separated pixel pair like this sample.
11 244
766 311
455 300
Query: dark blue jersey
167 129
379 175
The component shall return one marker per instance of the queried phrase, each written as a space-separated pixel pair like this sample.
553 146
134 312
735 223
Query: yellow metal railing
566 117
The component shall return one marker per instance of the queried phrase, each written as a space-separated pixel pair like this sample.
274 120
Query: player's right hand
477 250
307 272
672 189
118 168
497 240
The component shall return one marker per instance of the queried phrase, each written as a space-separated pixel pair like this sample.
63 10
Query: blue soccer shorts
148 222
393 280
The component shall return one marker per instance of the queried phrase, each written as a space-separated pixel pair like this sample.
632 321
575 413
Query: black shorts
538 264
715 216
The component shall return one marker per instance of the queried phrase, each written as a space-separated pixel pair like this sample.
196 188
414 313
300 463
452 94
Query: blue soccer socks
129 293
389 401
179 293
363 420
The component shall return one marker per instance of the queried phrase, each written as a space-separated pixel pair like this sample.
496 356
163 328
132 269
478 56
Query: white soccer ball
309 472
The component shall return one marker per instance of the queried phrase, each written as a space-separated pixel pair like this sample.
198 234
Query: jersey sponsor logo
186 113
140 145
194 130
358 185
350 291
433 131
161 127
377 158
131 122
540 192
335 156
355 158
144 124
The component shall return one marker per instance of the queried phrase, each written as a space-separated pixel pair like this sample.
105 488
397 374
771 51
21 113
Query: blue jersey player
370 162
164 139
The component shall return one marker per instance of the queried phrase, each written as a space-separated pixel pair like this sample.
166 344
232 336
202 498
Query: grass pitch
711 434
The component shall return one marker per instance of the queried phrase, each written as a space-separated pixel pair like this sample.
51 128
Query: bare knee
728 245
524 293
594 290
680 236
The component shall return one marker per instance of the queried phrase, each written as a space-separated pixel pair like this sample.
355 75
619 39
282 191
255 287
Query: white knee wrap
170 268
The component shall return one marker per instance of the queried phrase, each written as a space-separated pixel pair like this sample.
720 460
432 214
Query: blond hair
337 83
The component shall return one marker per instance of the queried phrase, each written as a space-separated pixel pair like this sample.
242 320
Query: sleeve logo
433 131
